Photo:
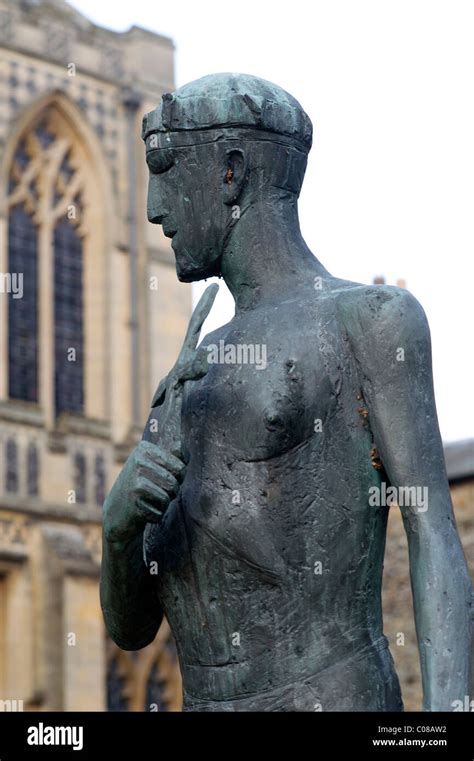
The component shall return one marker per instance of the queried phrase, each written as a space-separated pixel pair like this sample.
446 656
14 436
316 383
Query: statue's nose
154 218
156 211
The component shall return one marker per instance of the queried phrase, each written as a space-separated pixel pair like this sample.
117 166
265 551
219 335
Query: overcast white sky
389 86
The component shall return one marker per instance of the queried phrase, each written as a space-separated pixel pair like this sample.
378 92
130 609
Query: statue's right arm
131 612
147 483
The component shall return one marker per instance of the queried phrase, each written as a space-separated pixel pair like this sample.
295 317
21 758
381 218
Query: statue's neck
265 257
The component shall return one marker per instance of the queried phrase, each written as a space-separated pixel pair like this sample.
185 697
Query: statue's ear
235 174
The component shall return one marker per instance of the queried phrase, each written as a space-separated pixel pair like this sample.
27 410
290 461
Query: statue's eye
159 160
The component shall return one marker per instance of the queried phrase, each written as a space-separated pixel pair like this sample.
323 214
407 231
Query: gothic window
155 687
68 319
11 466
46 189
44 135
80 476
146 680
116 688
32 470
3 638
22 305
99 475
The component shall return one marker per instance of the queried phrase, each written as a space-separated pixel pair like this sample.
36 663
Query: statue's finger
196 322
196 367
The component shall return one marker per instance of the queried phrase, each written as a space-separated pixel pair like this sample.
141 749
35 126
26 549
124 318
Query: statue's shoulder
378 315
372 304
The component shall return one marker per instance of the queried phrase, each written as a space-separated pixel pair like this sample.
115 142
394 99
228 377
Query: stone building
91 317
86 332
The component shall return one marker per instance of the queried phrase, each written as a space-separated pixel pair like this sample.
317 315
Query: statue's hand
148 482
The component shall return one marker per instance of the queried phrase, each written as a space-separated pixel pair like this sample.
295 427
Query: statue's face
185 197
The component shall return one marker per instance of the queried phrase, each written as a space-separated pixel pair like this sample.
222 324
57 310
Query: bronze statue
253 514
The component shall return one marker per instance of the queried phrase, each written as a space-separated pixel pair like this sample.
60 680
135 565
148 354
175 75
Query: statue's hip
364 680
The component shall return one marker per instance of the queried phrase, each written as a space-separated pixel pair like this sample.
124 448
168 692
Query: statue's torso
270 561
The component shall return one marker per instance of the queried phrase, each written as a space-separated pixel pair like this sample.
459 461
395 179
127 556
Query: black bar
148 735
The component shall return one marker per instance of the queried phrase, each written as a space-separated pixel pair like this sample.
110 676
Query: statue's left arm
390 339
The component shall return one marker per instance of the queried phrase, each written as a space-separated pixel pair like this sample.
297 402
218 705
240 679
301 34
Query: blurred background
98 317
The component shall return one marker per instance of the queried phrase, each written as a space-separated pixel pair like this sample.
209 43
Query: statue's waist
276 668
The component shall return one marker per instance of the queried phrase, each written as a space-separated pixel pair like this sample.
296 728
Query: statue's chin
190 271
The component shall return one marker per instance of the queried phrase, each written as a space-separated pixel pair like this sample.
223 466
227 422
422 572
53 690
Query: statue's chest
258 430
260 397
